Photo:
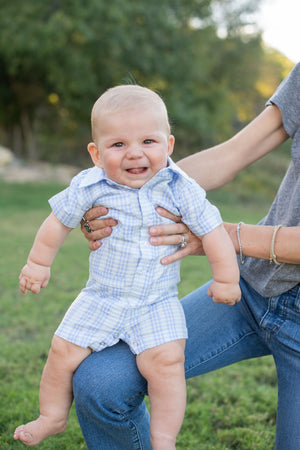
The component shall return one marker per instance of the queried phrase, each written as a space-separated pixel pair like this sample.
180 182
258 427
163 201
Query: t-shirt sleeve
197 212
69 205
287 98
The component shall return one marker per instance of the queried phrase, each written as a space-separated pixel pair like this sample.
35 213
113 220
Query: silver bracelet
273 258
242 258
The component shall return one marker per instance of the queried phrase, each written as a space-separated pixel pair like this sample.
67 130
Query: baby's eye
118 144
148 141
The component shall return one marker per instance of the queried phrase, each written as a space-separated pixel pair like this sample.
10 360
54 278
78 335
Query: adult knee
109 380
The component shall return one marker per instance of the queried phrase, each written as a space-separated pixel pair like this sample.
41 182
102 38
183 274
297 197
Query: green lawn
233 408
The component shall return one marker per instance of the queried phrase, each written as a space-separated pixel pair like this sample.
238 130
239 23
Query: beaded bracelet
242 258
273 258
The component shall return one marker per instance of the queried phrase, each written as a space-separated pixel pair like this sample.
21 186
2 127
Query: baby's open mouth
137 170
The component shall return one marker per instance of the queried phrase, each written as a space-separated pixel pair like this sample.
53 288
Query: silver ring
86 225
183 242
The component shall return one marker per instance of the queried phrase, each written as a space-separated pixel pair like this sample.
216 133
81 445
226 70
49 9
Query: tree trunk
28 137
17 141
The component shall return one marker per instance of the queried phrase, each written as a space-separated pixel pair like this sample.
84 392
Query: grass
233 408
27 322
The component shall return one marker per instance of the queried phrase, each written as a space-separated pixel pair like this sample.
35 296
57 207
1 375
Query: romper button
115 336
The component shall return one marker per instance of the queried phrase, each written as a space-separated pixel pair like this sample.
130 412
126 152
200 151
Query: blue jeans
109 390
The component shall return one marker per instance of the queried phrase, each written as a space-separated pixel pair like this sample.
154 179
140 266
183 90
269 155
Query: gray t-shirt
269 279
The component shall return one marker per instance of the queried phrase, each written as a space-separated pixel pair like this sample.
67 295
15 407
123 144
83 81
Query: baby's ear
171 144
95 154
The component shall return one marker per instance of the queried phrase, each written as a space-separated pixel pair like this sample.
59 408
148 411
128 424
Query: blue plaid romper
130 295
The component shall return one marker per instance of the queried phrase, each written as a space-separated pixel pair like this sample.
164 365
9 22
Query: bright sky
280 22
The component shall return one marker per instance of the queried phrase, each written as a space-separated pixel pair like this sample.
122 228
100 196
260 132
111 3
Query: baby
129 294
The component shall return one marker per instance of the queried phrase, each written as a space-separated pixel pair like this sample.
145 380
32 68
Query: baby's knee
60 348
67 353
165 359
171 355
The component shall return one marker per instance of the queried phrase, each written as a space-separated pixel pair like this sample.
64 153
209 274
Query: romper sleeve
197 212
70 205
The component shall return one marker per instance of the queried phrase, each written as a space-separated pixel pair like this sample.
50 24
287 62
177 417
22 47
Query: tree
58 56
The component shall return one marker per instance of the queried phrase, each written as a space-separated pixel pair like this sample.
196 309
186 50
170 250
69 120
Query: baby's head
125 98
131 134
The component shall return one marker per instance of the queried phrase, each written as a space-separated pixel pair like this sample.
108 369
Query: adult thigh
109 393
286 350
218 335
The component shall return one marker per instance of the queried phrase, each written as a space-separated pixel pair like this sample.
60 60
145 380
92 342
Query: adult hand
94 228
172 234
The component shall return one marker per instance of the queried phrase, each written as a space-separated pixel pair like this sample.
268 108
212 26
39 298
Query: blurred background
215 63
207 58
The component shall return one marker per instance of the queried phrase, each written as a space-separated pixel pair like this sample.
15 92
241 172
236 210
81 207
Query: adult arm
256 241
214 167
218 165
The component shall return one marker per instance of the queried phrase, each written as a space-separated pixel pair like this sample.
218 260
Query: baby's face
133 145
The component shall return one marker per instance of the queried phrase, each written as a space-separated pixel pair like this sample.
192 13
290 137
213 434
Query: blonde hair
127 97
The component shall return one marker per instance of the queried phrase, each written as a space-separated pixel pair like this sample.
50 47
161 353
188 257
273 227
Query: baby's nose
134 151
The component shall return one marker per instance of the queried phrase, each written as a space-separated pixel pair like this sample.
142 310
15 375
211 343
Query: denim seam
219 352
267 312
137 439
133 429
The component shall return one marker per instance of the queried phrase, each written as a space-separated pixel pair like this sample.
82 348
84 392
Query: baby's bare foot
34 432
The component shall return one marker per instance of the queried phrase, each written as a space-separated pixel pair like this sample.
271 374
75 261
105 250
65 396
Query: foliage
57 57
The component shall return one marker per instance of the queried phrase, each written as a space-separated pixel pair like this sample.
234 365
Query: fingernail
152 230
153 240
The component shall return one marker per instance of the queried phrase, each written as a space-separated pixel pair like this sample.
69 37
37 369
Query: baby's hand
33 277
227 293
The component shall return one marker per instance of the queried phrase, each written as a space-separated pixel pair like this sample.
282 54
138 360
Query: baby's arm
36 273
221 255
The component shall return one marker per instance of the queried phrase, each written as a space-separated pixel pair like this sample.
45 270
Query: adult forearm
211 168
256 241
214 167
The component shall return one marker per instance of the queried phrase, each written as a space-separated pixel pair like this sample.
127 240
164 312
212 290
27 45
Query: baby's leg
163 367
56 393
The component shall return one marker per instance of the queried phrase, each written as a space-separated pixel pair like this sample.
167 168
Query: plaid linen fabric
126 277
